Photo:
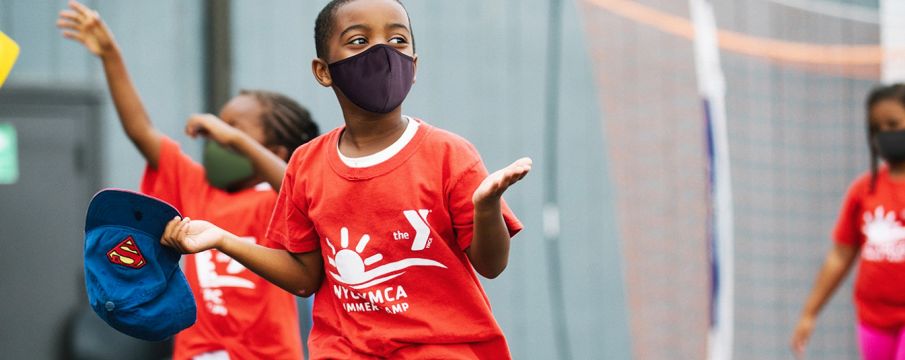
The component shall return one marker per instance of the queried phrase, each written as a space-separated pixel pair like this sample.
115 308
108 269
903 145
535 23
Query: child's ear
321 72
415 78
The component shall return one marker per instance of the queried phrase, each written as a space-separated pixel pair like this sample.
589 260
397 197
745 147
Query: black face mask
377 80
891 145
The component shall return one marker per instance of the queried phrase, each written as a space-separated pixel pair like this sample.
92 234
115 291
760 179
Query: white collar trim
383 155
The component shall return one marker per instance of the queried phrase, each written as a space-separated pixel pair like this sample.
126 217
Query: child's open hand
492 188
85 26
191 236
211 127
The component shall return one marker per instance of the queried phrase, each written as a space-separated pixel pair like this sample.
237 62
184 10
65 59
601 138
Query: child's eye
398 40
358 41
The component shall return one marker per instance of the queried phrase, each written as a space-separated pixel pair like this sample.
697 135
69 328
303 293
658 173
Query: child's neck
897 171
368 133
246 184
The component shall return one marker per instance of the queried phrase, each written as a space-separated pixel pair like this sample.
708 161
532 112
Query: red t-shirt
873 221
238 311
398 283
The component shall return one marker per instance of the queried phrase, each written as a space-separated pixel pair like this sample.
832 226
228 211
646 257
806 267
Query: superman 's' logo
126 253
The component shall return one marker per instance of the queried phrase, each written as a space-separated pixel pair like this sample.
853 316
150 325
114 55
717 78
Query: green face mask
225 168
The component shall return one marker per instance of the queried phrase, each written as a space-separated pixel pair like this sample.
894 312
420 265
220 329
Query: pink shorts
881 344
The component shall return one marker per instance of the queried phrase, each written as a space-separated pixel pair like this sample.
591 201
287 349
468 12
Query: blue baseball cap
134 283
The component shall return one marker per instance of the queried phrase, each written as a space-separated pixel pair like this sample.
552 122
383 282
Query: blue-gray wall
161 41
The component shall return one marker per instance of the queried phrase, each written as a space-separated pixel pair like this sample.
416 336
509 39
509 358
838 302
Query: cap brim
129 209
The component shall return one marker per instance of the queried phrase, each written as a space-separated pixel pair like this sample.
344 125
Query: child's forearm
299 274
836 265
131 111
489 250
265 162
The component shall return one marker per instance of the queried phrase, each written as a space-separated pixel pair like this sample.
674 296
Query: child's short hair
285 122
323 26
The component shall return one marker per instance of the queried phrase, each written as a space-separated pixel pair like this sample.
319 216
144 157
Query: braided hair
285 122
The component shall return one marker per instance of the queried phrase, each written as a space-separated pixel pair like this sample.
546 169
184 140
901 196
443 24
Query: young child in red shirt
240 315
870 227
402 212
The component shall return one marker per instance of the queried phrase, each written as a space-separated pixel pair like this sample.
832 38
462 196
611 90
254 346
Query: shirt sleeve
848 226
462 208
290 228
176 176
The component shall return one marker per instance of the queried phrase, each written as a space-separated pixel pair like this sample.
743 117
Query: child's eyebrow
397 26
361 27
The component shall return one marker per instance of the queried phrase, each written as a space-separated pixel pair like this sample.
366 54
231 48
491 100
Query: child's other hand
801 335
85 26
191 236
492 188
211 127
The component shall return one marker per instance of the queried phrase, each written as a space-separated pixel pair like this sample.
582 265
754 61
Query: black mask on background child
377 80
892 146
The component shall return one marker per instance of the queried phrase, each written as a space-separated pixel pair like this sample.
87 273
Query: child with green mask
244 162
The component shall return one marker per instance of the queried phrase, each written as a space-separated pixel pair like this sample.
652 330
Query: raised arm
300 274
84 25
265 162
489 250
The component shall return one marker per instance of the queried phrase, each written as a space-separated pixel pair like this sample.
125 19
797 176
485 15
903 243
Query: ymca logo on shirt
418 220
359 269
211 281
885 235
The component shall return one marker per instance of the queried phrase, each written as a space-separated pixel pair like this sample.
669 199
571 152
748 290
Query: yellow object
9 51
